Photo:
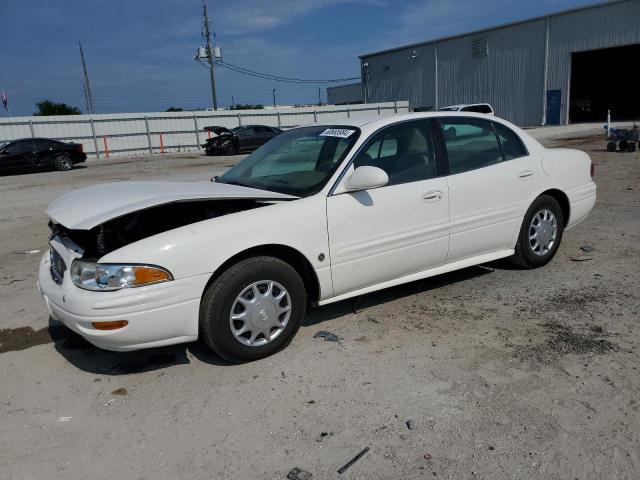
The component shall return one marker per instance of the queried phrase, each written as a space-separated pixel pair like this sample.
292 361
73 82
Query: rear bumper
158 315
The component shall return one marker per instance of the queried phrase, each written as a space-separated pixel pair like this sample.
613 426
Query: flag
5 101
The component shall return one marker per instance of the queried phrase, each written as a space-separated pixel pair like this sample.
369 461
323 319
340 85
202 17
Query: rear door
491 180
385 233
263 135
45 151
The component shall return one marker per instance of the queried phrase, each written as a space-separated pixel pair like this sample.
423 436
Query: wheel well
289 255
563 200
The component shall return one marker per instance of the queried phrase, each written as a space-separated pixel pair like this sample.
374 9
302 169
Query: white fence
126 133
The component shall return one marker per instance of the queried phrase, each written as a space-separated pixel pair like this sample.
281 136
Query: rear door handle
432 196
525 174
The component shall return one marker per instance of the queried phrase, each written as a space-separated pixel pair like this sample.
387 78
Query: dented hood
88 207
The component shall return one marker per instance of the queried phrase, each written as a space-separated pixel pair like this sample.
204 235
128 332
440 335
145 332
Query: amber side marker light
148 275
110 325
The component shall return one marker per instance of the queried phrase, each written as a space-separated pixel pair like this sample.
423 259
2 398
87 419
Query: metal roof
497 27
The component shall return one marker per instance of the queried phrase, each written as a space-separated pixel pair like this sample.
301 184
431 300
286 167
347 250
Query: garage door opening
602 80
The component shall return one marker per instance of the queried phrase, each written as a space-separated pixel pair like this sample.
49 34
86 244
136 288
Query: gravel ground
490 372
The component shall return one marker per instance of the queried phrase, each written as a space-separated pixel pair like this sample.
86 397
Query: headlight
107 277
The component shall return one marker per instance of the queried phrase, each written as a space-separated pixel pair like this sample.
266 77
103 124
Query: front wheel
253 309
540 233
230 149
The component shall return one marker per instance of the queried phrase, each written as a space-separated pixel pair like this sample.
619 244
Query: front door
402 228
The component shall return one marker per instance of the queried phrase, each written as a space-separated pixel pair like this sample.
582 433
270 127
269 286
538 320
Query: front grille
57 266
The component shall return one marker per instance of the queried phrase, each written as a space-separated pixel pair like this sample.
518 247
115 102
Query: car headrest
450 133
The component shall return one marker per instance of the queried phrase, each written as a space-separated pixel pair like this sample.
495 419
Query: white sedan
318 214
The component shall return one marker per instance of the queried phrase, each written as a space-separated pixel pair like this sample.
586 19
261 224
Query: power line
279 78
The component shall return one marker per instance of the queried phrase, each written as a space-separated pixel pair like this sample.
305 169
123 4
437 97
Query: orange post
106 147
161 143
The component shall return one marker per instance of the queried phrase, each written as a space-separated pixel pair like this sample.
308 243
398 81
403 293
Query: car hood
88 207
218 130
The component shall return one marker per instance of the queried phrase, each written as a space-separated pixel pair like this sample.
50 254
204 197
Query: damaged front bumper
157 315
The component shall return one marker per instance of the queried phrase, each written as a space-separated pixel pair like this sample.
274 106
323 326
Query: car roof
377 121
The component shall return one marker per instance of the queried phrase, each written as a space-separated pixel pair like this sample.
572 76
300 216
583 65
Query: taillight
80 148
593 170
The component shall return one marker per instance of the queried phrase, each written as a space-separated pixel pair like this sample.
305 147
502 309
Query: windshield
449 109
297 162
235 129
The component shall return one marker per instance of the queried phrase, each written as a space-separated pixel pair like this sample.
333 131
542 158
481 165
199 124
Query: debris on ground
119 391
298 474
65 419
410 424
323 436
580 259
586 248
427 456
328 336
344 468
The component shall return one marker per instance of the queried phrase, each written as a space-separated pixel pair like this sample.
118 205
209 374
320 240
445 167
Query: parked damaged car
319 214
246 138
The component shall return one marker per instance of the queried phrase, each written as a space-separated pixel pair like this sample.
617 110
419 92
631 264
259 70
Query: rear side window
470 143
404 152
512 146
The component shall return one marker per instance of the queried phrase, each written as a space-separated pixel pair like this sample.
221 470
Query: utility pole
274 98
319 97
233 102
87 85
210 55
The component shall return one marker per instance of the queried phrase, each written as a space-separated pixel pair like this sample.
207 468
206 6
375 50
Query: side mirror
365 178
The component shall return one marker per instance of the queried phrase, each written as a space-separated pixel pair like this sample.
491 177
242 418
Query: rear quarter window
512 145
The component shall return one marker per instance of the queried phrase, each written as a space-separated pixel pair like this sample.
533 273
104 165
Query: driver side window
404 152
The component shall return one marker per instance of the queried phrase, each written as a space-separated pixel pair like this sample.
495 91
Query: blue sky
140 52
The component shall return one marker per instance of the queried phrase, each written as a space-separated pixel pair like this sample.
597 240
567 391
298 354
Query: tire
229 294
611 146
229 149
622 144
526 256
631 147
63 163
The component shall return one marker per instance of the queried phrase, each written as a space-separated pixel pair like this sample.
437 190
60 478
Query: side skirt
448 267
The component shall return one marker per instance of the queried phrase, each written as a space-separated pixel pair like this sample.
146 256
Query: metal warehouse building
566 67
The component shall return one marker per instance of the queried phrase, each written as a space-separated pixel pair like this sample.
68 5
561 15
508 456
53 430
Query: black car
245 138
39 153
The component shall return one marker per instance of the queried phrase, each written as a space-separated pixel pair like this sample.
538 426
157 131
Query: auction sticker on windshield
337 132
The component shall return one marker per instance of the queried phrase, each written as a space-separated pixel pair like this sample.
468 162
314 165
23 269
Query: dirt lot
499 372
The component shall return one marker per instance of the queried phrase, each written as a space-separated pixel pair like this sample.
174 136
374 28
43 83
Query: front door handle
525 174
432 196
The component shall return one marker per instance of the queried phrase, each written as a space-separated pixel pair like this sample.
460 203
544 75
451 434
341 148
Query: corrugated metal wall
511 77
345 94
131 132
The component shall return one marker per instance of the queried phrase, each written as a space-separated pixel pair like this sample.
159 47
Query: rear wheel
540 233
611 146
253 309
63 163
631 147
622 145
